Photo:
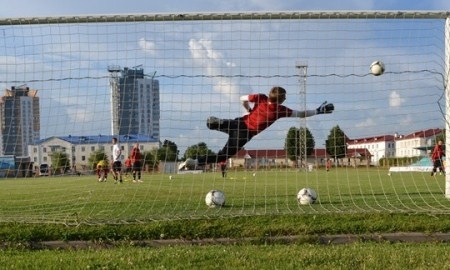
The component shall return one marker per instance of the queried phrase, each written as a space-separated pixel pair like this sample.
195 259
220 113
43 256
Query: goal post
447 95
71 83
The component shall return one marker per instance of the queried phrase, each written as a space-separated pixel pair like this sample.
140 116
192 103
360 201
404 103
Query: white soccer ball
306 196
377 68
215 198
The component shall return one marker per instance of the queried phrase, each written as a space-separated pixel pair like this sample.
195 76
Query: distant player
136 163
116 167
223 168
265 111
328 164
128 167
436 157
102 170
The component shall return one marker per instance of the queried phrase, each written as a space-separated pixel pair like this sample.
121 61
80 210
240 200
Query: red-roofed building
408 145
360 152
372 148
259 157
273 158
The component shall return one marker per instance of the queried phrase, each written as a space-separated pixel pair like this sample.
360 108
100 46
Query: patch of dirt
404 237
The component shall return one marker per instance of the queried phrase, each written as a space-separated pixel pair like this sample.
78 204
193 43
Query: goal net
70 84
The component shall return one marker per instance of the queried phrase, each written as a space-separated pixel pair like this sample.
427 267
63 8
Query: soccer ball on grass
215 198
306 196
377 68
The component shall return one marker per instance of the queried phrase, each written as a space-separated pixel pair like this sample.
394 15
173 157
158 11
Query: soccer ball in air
215 198
377 68
306 196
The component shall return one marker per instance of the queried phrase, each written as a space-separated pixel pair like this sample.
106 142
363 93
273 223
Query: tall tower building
135 102
19 120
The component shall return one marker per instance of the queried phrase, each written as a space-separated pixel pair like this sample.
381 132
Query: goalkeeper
265 111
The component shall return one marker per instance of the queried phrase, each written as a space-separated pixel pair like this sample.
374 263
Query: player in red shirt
128 166
265 111
136 162
436 157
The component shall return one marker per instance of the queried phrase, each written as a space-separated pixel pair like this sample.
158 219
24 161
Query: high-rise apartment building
135 102
19 120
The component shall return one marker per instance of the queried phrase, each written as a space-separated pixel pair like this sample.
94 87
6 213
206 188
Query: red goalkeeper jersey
264 113
438 152
135 155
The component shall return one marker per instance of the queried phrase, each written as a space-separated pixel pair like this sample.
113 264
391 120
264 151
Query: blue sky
400 101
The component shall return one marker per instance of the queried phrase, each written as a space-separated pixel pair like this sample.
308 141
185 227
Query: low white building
79 148
411 145
378 146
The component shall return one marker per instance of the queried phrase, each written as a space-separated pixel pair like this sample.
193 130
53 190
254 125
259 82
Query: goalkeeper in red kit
265 111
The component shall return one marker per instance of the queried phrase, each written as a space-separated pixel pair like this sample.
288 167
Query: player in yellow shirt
102 170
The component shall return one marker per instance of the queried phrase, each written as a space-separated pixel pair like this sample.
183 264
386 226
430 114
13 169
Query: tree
307 142
200 149
291 144
60 162
336 144
150 158
299 143
168 151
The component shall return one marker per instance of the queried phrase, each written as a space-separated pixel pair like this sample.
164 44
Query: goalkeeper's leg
238 137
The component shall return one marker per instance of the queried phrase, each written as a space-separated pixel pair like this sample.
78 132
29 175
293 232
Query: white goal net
70 84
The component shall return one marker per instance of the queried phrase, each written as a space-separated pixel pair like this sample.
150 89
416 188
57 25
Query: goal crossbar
229 16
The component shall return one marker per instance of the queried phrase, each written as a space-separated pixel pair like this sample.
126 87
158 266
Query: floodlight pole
302 68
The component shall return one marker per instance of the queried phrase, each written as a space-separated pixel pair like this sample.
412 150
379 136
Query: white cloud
147 46
395 100
369 122
202 51
214 63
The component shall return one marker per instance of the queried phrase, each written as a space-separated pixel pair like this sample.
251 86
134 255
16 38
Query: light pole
302 68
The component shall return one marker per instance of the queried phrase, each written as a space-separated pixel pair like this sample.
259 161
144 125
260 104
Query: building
80 148
254 159
375 147
135 102
258 158
19 120
416 144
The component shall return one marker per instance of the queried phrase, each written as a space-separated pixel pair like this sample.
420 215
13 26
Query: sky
361 112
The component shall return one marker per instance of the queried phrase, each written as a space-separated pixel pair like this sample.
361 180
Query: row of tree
300 143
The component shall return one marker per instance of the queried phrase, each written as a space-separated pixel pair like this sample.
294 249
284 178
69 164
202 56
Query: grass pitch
82 199
250 232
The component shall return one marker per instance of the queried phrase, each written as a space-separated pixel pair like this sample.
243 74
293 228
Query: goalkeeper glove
325 108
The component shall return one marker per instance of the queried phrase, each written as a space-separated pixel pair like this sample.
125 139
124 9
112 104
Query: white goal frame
441 17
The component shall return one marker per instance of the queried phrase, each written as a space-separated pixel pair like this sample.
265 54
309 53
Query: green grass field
260 210
75 199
